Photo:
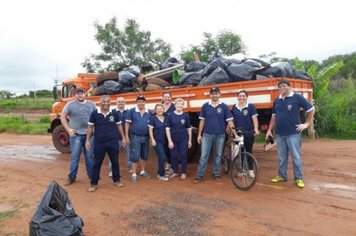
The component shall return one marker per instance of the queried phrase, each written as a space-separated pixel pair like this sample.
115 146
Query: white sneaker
163 178
110 173
173 175
183 176
251 174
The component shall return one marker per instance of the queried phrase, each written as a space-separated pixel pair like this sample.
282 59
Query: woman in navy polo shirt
157 131
245 118
168 107
179 134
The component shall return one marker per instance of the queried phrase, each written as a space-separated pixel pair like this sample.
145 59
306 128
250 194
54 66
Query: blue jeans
285 145
138 148
127 150
77 145
100 149
208 141
161 150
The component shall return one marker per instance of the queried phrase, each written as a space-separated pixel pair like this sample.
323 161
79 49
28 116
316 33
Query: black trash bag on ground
55 215
213 65
190 78
278 69
240 72
113 87
126 78
218 76
172 61
195 66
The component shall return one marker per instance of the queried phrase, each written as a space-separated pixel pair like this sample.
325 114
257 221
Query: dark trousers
249 141
179 152
100 149
162 151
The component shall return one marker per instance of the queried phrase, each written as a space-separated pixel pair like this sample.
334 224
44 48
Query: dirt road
326 206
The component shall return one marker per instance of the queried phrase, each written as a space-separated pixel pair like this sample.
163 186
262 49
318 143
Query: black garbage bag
172 61
240 72
191 78
134 70
302 74
126 78
278 69
212 66
218 76
55 215
195 66
113 87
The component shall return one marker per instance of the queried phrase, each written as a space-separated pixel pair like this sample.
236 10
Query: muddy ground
326 206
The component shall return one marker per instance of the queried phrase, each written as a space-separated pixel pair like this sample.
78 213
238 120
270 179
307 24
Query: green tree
6 94
226 42
124 47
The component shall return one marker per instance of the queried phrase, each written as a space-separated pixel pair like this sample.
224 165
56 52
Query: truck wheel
60 139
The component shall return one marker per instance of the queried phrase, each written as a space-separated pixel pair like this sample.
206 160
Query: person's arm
169 137
200 130
127 129
255 125
150 132
308 120
231 125
272 123
64 121
89 134
189 137
121 132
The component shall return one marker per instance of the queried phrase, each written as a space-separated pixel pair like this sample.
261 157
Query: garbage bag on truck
213 65
240 72
126 78
113 87
195 66
278 69
134 70
55 215
218 76
191 78
172 61
253 62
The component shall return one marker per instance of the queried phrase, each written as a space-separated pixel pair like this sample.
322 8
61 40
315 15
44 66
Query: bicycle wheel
225 160
244 171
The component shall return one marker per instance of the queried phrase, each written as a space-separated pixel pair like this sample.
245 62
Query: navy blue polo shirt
178 125
287 113
171 109
215 117
138 122
159 129
243 117
123 116
105 126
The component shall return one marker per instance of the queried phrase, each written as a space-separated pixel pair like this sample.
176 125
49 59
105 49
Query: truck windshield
57 89
68 90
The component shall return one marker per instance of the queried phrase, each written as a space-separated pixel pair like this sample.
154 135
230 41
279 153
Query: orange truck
262 92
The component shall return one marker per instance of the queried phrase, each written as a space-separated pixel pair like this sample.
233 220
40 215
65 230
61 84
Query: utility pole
34 89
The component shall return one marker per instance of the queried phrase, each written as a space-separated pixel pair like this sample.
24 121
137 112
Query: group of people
101 131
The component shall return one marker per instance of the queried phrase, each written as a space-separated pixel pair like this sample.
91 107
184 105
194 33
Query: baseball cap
214 90
140 97
79 90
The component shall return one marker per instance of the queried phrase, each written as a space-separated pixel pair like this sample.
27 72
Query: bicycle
241 166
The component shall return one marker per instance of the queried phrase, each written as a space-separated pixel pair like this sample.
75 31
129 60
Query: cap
214 90
140 97
79 90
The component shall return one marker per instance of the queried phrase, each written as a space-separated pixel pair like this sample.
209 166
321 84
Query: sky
41 40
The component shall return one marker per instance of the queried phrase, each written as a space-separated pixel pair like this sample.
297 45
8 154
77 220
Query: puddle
29 152
344 190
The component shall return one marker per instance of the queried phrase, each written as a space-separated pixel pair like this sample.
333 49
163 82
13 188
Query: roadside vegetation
25 103
19 124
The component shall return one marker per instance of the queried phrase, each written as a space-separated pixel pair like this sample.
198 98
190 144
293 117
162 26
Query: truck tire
60 139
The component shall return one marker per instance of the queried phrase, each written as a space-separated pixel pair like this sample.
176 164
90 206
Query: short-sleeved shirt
215 117
170 109
123 116
79 114
159 129
138 121
243 117
287 113
178 125
105 126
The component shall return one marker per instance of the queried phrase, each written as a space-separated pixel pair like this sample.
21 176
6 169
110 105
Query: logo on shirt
111 119
182 121
245 112
289 107
219 110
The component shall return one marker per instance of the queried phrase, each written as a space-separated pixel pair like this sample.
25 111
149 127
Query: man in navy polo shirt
212 128
108 128
136 125
286 121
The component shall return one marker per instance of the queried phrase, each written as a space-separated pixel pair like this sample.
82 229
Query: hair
166 92
179 100
283 81
242 91
158 105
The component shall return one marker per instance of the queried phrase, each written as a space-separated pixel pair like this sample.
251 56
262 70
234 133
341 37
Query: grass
7 214
26 103
18 124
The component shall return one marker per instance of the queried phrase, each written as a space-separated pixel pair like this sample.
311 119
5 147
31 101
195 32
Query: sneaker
217 178
110 174
168 167
145 174
163 178
197 180
118 184
134 178
69 181
278 179
300 183
92 188
173 175
183 176
251 173
170 171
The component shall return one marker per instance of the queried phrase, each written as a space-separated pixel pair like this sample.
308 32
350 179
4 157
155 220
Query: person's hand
257 132
127 140
268 133
199 139
123 143
170 145
302 127
72 132
153 143
189 144
87 145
